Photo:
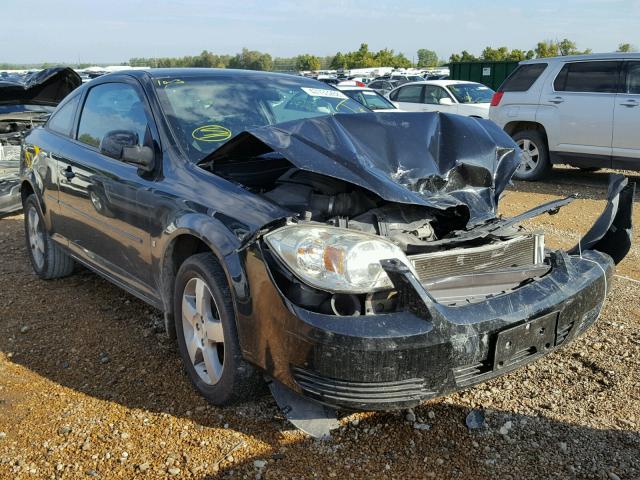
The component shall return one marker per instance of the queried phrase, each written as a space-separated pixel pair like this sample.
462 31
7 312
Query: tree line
361 58
365 58
546 48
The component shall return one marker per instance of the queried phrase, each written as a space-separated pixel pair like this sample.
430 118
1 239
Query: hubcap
36 237
202 331
95 199
530 155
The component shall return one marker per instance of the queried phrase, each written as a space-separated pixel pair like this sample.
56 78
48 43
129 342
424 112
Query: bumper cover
426 350
401 359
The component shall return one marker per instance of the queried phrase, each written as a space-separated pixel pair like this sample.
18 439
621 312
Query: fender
219 239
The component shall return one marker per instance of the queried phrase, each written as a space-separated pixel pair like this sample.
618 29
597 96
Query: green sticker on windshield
211 133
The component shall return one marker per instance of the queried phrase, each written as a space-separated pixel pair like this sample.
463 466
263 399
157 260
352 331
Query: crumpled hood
434 159
46 87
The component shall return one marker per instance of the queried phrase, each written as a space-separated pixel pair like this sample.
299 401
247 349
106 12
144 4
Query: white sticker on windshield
483 88
373 94
321 92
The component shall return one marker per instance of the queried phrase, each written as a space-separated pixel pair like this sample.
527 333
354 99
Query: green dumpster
491 74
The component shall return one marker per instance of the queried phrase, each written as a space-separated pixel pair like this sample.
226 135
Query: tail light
495 100
360 84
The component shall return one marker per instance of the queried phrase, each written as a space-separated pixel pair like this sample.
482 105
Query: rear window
410 93
597 77
62 119
523 77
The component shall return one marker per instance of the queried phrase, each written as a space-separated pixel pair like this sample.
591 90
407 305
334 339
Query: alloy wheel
36 238
202 330
530 156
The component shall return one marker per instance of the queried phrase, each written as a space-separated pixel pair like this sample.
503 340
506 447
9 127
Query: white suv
581 110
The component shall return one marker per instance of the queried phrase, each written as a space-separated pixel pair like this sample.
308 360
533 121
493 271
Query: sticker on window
371 94
167 82
211 133
322 92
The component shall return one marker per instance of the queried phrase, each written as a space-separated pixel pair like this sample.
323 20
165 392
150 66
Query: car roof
590 56
442 83
353 87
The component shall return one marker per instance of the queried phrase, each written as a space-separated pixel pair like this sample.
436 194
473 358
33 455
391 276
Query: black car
353 259
26 101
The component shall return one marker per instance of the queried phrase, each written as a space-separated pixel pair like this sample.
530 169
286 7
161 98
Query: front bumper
397 360
426 350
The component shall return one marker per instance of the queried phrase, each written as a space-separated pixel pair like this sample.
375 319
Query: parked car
383 86
356 259
405 78
26 101
369 98
451 96
579 110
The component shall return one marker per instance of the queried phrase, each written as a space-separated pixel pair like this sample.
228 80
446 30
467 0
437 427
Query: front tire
534 163
48 260
206 332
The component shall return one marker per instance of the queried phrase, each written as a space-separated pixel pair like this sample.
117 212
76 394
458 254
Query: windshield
471 92
370 99
205 112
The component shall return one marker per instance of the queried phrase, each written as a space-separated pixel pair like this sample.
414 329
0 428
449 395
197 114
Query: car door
60 125
577 109
626 119
104 221
433 94
408 98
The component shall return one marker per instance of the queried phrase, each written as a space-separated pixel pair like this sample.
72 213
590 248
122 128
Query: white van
581 110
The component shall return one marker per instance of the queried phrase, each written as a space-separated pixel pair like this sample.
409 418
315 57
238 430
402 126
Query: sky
113 31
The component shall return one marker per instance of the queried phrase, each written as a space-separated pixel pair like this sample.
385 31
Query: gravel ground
91 387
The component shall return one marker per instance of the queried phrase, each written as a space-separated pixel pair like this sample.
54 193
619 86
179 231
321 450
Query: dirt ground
91 387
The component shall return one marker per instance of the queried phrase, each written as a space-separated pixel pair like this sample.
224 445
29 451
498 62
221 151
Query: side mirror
142 156
123 145
445 101
114 141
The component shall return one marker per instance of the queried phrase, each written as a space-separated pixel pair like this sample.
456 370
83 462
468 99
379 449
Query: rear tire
207 336
534 164
48 259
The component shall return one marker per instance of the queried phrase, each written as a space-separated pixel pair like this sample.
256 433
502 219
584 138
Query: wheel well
25 190
515 127
181 248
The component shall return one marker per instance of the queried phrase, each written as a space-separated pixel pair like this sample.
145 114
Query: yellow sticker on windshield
211 133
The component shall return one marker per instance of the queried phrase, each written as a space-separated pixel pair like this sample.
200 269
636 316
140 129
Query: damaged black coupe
354 260
26 101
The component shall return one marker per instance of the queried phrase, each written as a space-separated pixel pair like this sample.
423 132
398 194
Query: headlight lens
335 259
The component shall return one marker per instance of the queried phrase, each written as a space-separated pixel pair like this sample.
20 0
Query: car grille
516 252
346 392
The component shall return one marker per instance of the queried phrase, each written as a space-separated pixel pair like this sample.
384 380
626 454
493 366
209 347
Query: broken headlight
334 259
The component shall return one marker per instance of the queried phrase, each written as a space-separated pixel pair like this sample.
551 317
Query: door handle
630 103
557 100
68 173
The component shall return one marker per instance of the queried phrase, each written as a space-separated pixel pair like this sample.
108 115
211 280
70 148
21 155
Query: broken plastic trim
611 233
311 417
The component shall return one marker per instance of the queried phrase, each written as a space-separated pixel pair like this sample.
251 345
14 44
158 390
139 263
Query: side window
410 94
523 77
61 121
597 77
433 94
632 82
111 106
